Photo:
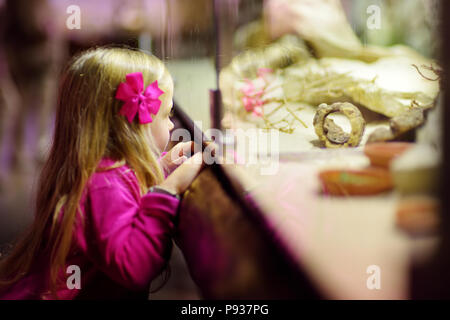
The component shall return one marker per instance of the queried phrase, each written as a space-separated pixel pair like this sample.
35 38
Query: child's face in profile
162 125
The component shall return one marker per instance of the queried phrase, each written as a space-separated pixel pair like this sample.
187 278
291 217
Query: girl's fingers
187 148
182 149
180 160
197 158
182 177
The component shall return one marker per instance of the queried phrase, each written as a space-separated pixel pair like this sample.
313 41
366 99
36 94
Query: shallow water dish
382 153
355 182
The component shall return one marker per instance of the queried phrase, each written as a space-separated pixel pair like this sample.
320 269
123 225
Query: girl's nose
171 125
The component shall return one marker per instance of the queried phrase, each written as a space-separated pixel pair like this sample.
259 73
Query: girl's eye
171 113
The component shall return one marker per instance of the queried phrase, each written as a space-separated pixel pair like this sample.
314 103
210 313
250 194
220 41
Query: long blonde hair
87 128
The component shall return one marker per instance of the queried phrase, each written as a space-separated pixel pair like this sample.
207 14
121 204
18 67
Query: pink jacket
125 243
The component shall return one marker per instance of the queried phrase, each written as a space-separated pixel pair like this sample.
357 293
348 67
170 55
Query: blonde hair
87 128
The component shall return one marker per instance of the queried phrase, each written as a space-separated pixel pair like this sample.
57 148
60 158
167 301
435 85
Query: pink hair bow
137 100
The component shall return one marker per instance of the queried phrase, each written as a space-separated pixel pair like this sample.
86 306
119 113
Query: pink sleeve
162 155
132 241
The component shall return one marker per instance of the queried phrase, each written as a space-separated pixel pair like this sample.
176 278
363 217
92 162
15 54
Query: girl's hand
182 177
177 155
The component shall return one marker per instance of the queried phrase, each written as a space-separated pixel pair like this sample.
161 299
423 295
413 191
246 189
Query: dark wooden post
225 18
432 280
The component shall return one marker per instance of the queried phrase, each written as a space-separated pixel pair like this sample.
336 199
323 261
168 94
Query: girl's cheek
167 133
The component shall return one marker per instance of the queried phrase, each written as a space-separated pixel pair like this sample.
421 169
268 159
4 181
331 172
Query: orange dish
382 153
367 181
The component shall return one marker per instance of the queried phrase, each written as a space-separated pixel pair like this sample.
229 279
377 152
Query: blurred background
195 38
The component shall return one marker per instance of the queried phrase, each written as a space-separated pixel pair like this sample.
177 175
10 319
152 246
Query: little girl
103 203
